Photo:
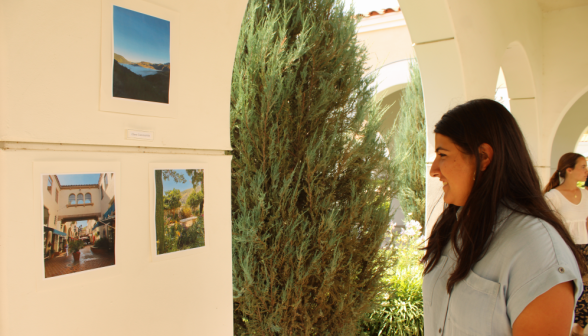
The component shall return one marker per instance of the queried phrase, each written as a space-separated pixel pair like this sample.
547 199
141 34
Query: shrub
75 245
185 212
192 236
410 141
102 243
310 174
399 309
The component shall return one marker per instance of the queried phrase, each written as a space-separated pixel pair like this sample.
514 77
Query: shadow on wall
570 130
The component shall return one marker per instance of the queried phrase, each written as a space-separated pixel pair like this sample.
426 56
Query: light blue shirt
525 259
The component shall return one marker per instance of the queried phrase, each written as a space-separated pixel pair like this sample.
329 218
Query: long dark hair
510 179
568 160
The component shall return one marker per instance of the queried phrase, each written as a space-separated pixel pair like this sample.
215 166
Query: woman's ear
486 154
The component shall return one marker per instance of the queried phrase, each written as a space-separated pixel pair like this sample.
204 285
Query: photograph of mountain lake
141 69
179 209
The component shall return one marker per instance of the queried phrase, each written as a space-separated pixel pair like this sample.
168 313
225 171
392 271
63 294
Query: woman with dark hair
498 261
571 203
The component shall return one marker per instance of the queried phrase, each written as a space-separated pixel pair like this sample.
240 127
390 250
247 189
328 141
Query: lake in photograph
139 70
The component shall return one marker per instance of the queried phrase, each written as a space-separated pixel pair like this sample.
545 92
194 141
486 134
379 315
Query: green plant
310 173
192 236
410 139
399 307
195 199
172 199
75 246
102 243
185 212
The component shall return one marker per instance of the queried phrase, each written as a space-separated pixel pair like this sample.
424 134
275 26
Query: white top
574 215
525 258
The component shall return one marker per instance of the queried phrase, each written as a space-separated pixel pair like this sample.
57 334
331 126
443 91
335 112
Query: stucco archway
390 80
521 90
431 30
570 129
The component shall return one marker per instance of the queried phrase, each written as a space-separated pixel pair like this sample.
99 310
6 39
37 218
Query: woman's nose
434 169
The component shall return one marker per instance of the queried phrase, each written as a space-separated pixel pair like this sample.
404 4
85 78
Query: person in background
498 260
571 203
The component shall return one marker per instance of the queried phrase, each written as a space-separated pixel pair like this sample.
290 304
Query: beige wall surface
50 83
386 45
188 294
566 78
51 123
568 133
462 44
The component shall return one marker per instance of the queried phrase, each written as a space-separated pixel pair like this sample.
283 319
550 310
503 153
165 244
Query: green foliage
177 238
75 245
174 175
195 199
185 212
172 199
159 211
310 176
192 236
410 141
102 243
399 309
171 235
197 176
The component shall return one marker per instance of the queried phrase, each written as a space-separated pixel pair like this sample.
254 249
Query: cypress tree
410 140
311 180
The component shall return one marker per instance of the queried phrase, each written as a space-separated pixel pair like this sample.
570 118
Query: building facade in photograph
65 205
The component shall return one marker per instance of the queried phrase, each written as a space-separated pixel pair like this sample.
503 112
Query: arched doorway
391 80
522 101
570 130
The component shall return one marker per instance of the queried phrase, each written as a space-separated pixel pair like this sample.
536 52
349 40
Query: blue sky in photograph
83 223
171 184
140 37
364 6
71 179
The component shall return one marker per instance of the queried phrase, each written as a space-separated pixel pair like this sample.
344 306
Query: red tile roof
378 12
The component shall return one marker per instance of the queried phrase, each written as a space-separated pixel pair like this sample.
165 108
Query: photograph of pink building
79 223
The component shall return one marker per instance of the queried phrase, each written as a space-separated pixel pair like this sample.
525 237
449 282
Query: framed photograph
79 222
139 71
179 208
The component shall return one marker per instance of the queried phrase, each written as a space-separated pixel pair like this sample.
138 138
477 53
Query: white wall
569 131
189 294
50 123
50 65
386 37
462 44
566 80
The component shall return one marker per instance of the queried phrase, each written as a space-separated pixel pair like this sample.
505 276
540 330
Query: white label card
139 135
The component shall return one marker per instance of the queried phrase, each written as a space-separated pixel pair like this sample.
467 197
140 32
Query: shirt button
440 330
561 270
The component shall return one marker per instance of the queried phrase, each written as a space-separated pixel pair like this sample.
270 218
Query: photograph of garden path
179 209
141 66
79 222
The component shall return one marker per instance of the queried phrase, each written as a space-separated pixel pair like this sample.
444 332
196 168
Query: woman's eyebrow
440 148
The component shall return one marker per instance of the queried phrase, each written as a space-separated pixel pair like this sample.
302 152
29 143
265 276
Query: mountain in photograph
140 80
120 59
186 193
148 65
